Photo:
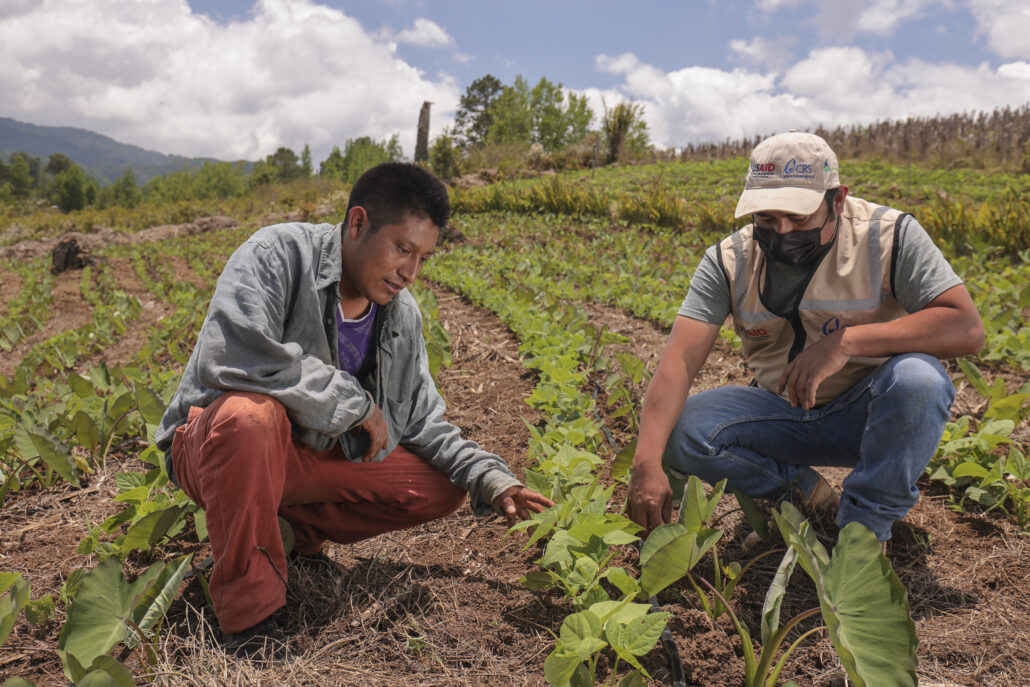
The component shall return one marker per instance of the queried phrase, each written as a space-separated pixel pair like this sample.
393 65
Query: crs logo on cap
793 168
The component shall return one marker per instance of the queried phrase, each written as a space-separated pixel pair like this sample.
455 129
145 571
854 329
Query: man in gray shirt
308 396
843 308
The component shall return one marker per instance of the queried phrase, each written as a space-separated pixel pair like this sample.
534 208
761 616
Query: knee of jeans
252 413
922 378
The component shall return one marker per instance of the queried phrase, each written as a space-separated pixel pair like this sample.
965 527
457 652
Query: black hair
391 191
830 197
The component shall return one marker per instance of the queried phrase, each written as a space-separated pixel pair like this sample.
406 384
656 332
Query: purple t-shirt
355 340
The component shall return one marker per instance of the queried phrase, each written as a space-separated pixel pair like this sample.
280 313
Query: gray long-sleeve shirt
271 329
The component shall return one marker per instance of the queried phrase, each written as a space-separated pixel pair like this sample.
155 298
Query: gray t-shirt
921 273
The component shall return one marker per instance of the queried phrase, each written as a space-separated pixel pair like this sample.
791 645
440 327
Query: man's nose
409 269
784 225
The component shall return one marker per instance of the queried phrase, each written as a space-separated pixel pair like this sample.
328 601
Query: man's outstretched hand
515 503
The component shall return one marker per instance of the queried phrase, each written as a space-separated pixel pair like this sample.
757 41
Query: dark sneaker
266 640
315 563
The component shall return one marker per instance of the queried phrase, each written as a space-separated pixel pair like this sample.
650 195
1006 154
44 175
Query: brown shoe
823 500
264 641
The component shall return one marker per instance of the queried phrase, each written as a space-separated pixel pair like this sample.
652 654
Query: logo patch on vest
757 334
830 326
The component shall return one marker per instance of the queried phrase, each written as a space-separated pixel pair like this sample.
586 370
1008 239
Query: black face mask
798 248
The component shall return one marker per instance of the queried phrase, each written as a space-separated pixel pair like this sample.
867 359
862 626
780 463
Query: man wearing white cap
843 308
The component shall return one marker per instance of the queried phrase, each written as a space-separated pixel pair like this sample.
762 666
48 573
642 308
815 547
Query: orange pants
237 459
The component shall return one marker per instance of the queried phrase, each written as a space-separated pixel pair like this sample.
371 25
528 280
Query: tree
35 167
125 192
305 161
20 176
286 164
359 155
558 122
69 189
473 118
444 155
57 163
511 114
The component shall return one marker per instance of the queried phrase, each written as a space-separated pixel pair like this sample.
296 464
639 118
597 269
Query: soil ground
441 604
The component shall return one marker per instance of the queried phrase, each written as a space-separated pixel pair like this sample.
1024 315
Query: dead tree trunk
422 140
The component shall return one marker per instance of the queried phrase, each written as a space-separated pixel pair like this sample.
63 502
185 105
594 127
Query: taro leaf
158 596
581 634
7 580
634 679
865 608
200 524
122 405
151 529
754 515
671 558
559 666
85 430
774 596
106 671
149 404
96 620
56 458
10 604
82 387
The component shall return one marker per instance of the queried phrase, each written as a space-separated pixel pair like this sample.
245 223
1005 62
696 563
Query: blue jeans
885 428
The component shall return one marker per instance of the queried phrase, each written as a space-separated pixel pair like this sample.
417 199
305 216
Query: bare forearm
663 405
948 327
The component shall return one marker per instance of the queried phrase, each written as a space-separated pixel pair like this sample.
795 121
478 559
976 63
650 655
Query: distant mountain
101 157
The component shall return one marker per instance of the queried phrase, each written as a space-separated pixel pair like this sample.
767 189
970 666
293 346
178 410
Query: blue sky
238 78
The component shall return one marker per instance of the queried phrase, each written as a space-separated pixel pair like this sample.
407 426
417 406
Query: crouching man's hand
378 435
516 502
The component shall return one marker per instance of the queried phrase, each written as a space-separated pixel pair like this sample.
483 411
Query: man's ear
838 201
357 222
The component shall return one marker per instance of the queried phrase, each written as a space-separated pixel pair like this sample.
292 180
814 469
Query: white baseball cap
788 173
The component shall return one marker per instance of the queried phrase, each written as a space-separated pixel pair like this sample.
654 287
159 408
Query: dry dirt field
442 604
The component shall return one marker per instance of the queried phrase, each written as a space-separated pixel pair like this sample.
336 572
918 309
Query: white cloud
884 16
1006 24
425 34
762 52
153 73
831 87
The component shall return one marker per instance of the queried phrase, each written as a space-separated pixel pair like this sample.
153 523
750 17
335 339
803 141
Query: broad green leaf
17 682
96 619
151 529
753 513
865 608
152 605
7 580
775 593
659 537
974 376
559 666
85 430
151 407
673 559
624 460
623 581
56 458
200 524
969 469
10 604
539 580
81 386
583 572
619 611
106 671
638 636
633 679
581 634
122 405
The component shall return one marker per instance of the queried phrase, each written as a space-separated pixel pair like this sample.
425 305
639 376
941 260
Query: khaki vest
851 286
